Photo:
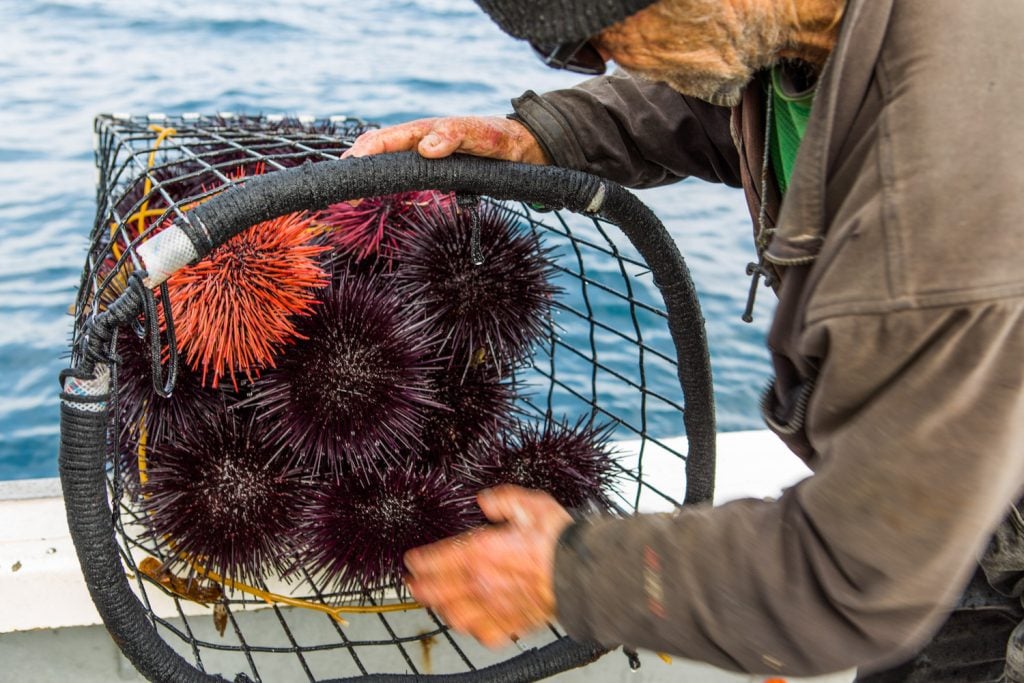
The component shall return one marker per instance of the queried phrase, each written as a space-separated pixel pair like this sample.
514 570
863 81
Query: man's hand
494 583
495 137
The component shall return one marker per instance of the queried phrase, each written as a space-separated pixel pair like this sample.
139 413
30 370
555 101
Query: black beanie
558 21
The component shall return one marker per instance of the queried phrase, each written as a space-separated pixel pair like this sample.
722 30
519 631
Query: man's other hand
497 582
495 137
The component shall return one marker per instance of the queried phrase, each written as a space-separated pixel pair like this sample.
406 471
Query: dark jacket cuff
551 129
599 589
571 564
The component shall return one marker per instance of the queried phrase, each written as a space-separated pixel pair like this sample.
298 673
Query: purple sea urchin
215 497
571 462
143 411
354 533
475 406
356 390
147 419
491 312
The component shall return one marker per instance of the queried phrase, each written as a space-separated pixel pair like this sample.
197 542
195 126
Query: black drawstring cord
756 270
151 325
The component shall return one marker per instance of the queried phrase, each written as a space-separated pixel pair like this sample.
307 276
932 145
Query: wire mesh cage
621 351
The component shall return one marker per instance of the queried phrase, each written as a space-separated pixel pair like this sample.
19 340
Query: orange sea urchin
233 310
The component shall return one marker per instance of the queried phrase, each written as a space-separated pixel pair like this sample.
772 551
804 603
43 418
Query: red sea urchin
355 391
354 533
571 462
233 310
214 497
492 312
371 226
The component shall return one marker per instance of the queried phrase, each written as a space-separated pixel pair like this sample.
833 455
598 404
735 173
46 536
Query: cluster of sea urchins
346 389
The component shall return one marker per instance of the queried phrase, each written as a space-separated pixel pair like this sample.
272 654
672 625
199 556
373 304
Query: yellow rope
162 134
144 212
143 478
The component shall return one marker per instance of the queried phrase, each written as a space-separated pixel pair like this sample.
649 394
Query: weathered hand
495 137
497 582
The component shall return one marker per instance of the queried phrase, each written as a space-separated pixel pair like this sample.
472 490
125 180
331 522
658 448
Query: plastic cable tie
597 201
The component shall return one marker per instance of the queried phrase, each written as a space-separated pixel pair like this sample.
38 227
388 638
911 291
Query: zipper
795 423
795 261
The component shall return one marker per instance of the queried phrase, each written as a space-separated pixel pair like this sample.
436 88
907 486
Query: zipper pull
755 271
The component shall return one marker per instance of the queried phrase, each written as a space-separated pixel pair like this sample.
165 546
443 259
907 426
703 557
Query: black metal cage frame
583 214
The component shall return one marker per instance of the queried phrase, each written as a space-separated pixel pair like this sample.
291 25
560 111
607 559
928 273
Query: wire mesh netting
606 357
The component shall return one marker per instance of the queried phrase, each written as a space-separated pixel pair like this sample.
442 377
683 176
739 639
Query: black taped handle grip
314 186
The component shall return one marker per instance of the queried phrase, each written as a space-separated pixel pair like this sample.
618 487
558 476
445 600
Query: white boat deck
49 628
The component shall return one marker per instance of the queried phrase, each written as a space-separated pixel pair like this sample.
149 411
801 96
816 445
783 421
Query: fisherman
879 146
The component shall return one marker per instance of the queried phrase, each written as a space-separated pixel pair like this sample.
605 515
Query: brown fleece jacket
898 345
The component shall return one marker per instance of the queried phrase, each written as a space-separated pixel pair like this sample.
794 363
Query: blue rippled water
62 62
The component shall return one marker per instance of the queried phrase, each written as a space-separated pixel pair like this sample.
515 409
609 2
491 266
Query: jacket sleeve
637 133
922 455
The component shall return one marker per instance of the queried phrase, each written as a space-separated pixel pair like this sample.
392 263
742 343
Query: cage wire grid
607 354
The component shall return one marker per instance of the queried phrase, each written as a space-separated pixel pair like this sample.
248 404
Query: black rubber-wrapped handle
83 479
532 665
314 186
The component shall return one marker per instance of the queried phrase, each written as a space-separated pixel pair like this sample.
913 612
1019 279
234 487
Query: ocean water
62 62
